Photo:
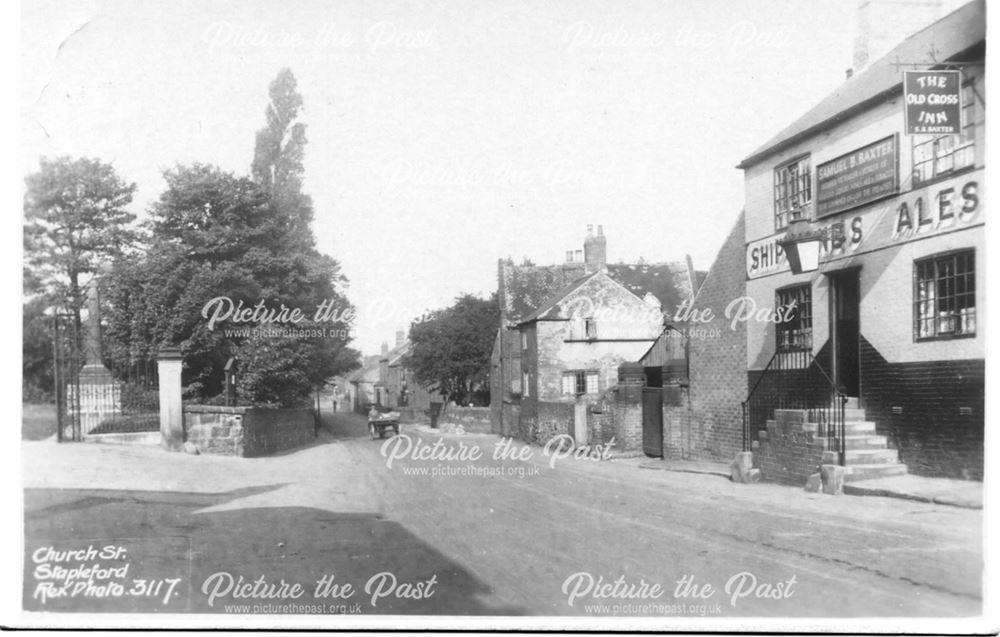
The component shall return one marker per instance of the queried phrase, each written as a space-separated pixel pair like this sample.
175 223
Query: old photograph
646 315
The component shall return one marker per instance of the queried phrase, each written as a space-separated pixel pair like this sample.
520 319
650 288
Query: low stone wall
247 431
472 419
786 452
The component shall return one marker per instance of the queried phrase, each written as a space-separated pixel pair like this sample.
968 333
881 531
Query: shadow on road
344 425
297 544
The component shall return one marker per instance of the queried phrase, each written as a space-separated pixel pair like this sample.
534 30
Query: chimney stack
595 250
385 348
882 24
400 337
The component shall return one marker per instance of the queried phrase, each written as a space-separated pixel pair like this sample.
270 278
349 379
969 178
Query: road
495 537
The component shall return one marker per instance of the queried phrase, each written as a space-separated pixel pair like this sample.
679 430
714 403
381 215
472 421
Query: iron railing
796 380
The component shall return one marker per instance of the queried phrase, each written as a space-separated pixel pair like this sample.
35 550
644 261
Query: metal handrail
796 387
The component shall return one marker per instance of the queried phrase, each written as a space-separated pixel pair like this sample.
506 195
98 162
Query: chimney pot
590 229
600 231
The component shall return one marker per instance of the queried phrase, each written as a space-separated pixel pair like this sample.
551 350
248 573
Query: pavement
960 493
503 533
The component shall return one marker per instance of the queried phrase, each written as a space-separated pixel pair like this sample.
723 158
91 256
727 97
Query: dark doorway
845 300
652 421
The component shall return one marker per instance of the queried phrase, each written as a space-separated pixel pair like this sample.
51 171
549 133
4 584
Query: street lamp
801 243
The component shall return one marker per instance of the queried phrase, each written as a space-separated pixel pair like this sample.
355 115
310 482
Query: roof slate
526 289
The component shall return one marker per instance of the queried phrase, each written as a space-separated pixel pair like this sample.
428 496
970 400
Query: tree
279 152
451 348
76 219
214 234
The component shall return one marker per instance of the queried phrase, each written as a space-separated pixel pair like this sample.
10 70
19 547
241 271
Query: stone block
741 467
814 483
833 479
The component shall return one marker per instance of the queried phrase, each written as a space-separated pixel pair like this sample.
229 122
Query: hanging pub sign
933 102
859 177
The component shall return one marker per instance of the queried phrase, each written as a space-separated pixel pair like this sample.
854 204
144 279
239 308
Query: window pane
945 296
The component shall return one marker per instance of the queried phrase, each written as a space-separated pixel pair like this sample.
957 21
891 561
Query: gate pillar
168 365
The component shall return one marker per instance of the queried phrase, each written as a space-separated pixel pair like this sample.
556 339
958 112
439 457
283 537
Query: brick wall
246 431
933 436
616 415
712 426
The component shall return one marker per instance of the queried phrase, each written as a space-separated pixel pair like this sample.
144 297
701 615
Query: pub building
893 310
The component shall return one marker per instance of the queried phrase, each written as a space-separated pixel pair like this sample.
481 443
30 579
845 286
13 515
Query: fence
796 380
95 395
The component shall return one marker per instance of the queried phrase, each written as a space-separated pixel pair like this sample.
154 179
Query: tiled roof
527 290
547 306
670 283
524 288
943 40
396 356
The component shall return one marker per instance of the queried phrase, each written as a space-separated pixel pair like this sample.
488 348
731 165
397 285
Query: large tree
451 347
218 235
279 153
215 234
76 220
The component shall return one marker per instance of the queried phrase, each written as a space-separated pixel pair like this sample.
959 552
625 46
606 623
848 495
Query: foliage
215 234
451 347
75 221
278 156
36 352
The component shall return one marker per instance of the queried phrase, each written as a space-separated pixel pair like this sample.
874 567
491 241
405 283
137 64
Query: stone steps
865 441
851 427
858 472
871 456
867 454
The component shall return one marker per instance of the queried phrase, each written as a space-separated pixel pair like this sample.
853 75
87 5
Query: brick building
894 311
360 384
565 330
699 362
396 387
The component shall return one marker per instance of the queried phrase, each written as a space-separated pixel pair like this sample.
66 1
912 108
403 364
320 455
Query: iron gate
100 395
67 360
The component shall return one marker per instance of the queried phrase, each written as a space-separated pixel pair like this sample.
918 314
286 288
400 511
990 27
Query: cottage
361 384
397 389
565 331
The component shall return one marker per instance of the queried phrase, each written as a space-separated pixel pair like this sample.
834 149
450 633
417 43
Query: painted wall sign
765 256
859 177
936 209
939 208
933 102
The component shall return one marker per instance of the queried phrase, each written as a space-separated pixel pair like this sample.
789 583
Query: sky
445 135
